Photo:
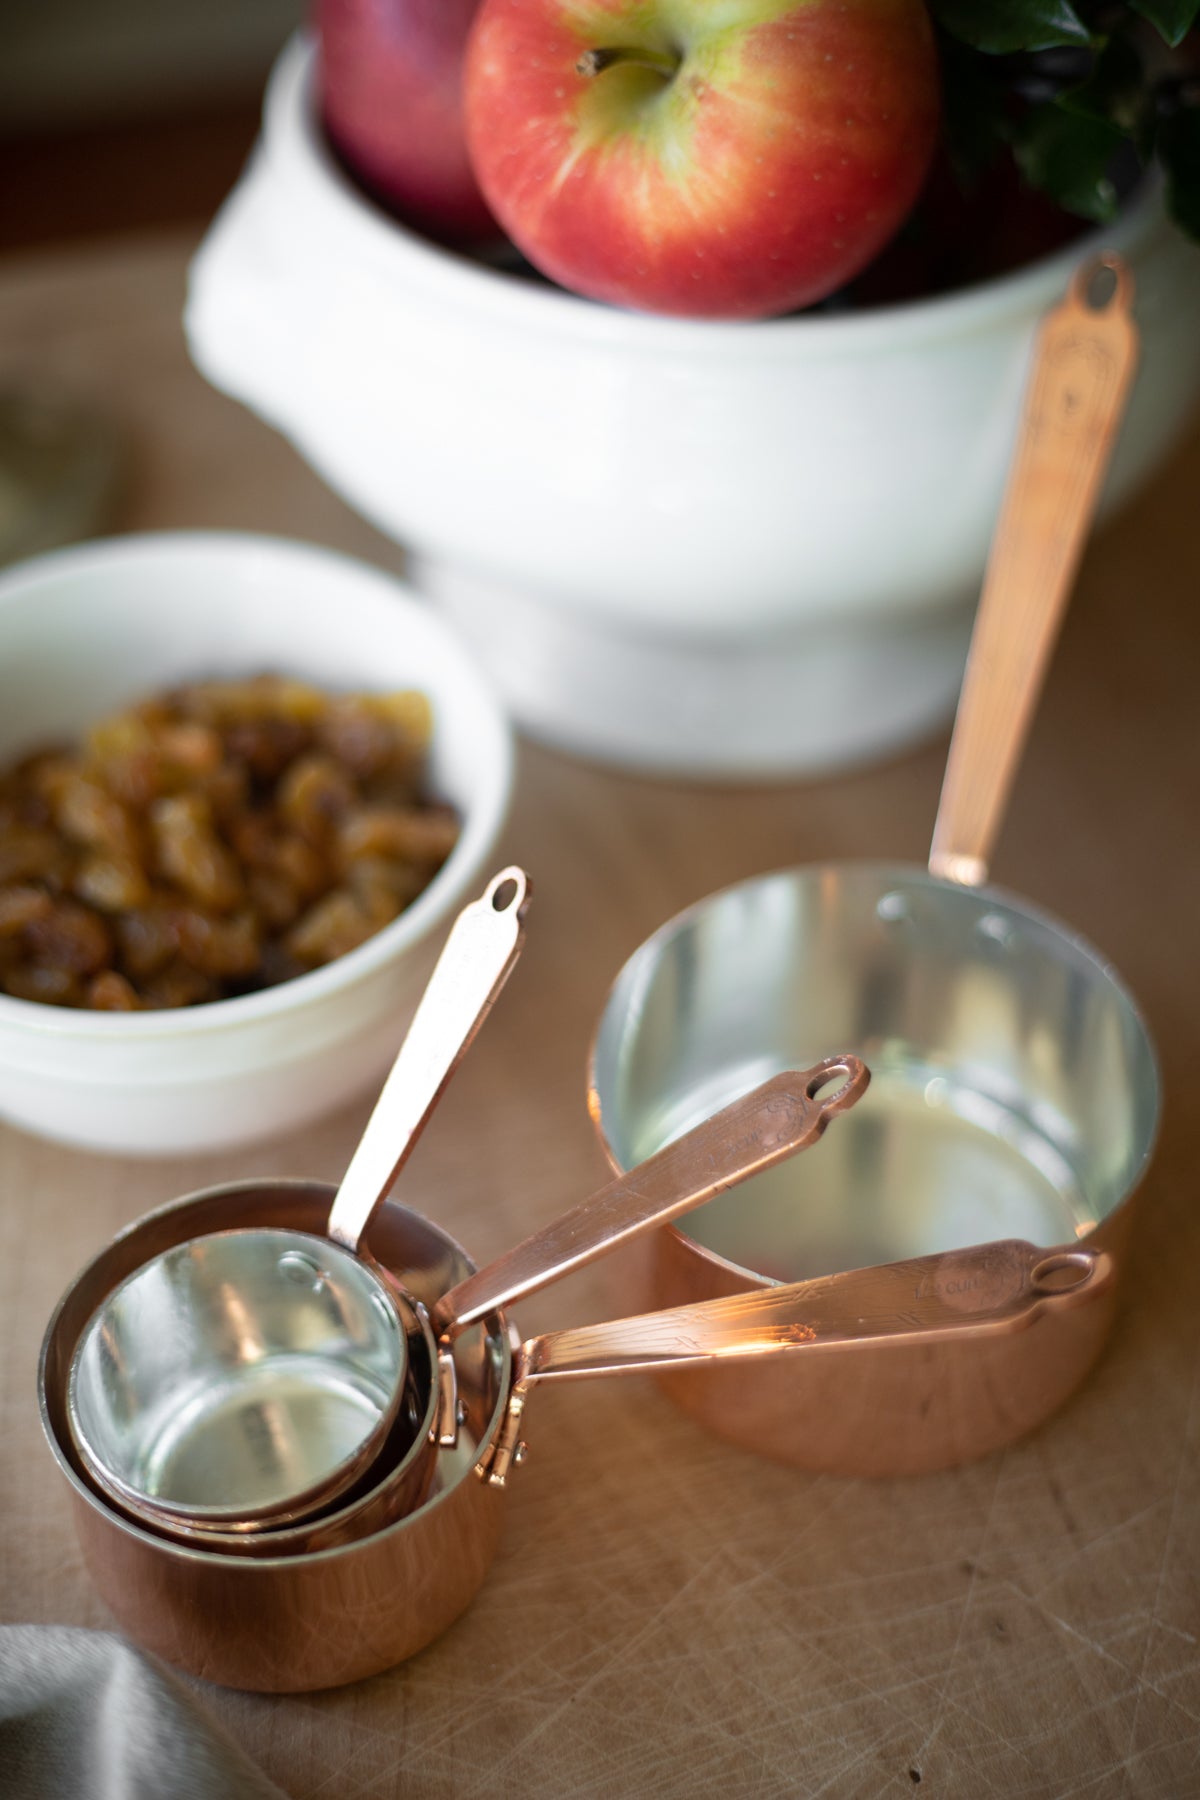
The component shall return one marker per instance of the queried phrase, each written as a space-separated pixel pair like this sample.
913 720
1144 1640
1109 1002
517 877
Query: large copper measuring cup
1014 1094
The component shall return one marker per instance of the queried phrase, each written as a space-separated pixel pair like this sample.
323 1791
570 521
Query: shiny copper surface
796 1335
1084 360
476 960
751 1135
897 1408
334 1599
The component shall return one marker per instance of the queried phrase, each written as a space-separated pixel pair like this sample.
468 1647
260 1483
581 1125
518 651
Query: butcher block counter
668 1615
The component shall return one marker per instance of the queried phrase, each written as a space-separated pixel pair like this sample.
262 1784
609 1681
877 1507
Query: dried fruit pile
212 841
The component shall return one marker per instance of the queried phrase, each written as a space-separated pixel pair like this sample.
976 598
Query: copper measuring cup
246 1380
1015 1091
773 1122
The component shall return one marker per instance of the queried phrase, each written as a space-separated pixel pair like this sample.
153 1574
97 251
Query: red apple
391 101
719 158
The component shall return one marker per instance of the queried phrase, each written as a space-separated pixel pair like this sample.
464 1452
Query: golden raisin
329 929
21 906
395 831
113 884
70 937
189 852
48 985
110 992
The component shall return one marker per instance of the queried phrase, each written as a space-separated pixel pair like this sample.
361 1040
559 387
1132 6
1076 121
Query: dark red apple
713 158
390 93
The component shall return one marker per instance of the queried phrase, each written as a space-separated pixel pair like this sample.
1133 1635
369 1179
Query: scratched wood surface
668 1616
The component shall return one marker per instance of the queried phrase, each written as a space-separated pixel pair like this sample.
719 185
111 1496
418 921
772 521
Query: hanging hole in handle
1061 1271
1101 287
509 889
845 1075
1105 283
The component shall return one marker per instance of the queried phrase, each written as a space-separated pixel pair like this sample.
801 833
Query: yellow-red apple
716 158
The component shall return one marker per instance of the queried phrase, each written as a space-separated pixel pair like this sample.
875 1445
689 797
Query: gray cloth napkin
84 1716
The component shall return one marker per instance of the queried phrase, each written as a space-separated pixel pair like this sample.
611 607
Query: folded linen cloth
84 1716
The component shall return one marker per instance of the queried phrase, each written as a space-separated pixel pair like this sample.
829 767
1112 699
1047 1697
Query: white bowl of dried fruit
243 783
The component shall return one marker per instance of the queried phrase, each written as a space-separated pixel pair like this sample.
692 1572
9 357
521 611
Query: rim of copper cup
886 870
341 1480
496 1328
421 1455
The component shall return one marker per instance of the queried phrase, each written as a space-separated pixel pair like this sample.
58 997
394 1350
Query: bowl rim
482 820
292 137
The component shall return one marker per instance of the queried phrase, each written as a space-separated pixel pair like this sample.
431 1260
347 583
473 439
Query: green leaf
1115 89
1069 156
1179 150
1001 27
1172 19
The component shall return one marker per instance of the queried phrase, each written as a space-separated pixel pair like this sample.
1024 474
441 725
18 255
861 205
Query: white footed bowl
85 631
702 548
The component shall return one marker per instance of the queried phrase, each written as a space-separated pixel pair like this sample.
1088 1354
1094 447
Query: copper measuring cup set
348 1601
931 1285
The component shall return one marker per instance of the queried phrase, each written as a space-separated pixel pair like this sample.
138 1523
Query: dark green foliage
1081 97
999 27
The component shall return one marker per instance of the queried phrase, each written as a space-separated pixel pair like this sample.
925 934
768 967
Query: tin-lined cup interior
237 1372
1014 1091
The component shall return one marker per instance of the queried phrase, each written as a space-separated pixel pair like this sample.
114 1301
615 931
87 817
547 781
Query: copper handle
1085 353
784 1115
988 1289
957 1293
475 962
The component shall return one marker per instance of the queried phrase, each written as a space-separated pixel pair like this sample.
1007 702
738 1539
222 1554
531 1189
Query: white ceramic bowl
730 548
86 630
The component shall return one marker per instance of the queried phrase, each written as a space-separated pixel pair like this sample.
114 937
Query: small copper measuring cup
246 1380
1015 1092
